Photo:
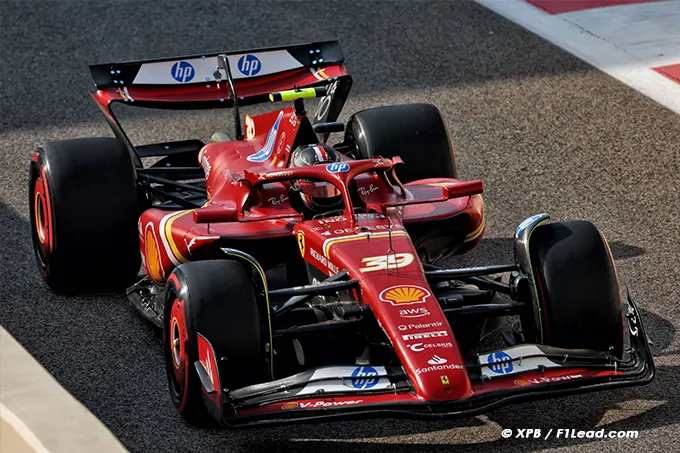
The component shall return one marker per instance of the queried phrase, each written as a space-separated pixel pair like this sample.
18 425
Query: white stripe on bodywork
164 239
316 74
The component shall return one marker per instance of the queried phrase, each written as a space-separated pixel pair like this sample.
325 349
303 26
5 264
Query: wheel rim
177 345
42 220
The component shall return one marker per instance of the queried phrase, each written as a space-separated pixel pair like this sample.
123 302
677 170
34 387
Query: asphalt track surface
546 133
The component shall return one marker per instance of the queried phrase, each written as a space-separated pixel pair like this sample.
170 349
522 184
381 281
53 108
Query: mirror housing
216 214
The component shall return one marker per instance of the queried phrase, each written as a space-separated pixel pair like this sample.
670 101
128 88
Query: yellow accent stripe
360 237
322 74
123 94
168 235
37 219
477 230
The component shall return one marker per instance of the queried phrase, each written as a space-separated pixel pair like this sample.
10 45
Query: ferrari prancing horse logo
301 242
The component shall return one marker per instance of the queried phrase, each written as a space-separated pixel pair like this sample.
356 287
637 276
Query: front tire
83 212
217 301
577 288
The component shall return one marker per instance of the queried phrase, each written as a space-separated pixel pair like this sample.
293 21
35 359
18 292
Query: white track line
23 431
590 48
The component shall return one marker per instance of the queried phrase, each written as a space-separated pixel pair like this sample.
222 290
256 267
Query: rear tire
84 211
414 132
217 300
577 287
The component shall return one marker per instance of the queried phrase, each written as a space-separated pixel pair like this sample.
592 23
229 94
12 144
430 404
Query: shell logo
290 406
404 294
521 382
152 253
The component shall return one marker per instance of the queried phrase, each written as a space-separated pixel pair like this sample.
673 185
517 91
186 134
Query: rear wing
190 79
189 82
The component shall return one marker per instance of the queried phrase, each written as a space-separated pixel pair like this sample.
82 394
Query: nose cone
393 284
411 317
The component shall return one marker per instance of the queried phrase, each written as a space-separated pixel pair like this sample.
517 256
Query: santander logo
436 360
439 364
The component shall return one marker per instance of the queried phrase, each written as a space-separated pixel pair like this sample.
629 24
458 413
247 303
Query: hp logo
338 167
249 65
182 72
364 377
500 362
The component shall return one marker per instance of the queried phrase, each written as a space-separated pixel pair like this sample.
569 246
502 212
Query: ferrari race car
295 281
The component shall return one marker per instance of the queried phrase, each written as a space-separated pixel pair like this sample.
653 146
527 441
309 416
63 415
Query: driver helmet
318 196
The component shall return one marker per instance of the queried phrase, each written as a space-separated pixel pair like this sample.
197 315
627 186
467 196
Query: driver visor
318 189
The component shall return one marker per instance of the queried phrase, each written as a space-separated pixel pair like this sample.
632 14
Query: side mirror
464 189
216 214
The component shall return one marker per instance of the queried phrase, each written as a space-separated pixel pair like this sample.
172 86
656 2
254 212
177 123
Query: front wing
371 392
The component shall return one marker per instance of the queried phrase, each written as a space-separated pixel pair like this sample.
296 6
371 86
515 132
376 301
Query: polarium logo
249 65
182 72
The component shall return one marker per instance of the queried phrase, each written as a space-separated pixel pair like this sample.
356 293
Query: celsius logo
500 362
364 377
418 347
182 72
249 65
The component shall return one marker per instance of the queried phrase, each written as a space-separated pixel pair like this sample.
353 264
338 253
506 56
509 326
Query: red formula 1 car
293 281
